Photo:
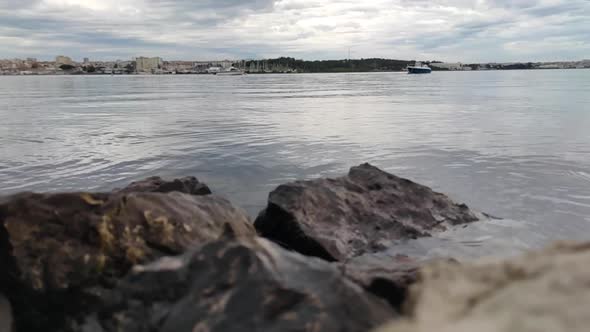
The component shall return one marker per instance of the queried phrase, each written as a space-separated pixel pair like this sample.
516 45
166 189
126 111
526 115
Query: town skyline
65 65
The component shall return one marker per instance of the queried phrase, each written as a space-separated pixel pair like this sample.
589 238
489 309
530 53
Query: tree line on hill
285 64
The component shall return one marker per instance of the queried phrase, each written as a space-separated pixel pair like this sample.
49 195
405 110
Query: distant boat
232 71
419 68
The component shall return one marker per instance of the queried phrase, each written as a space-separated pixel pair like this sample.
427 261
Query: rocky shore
171 256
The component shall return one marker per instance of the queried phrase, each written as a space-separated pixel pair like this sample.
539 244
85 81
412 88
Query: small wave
580 175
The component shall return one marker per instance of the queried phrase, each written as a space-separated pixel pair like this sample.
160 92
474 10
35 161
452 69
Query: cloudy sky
448 30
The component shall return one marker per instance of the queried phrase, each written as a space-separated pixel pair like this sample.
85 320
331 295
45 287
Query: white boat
232 71
419 68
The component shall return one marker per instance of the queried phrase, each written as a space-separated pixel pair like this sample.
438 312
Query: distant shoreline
291 73
157 66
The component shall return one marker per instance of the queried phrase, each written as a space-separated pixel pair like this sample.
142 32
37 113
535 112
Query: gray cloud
574 8
12 5
461 30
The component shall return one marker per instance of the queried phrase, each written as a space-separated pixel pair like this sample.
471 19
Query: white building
147 65
63 60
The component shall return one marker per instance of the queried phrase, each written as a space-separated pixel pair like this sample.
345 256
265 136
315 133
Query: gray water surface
515 144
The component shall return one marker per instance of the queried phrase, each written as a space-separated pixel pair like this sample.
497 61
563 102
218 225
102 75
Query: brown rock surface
55 247
337 219
546 291
240 285
188 185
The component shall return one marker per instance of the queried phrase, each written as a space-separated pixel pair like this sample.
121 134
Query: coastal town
64 65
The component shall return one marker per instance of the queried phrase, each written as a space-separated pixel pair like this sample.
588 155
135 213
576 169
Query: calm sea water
515 144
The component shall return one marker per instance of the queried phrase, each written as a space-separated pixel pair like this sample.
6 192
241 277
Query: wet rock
54 248
360 213
240 285
540 292
188 185
5 315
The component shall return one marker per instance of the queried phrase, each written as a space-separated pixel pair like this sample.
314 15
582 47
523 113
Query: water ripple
514 144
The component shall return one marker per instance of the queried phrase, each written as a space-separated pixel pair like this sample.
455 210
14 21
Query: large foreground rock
55 248
239 285
546 291
337 219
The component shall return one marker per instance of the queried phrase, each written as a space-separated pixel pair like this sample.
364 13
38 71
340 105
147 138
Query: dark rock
188 185
388 277
247 284
6 321
337 219
54 248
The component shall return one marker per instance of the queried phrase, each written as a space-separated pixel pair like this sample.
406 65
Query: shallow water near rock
514 144
497 238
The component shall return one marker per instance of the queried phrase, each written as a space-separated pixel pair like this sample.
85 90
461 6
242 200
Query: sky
445 30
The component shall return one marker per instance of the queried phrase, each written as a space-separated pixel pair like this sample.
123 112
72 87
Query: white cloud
459 30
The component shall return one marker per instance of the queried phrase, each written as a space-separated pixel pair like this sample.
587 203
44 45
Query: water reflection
514 144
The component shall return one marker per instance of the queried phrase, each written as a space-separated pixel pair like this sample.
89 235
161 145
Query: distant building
182 67
123 64
148 65
225 64
212 66
31 59
63 60
447 66
86 60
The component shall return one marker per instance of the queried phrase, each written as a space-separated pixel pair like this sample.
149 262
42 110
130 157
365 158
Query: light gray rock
546 291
